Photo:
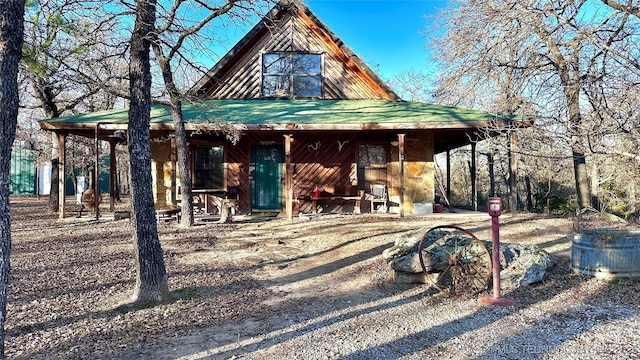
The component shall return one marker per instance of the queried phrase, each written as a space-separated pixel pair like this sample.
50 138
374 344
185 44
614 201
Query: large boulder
403 255
521 264
403 258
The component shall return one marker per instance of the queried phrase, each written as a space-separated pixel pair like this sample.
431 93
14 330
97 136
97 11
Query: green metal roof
307 114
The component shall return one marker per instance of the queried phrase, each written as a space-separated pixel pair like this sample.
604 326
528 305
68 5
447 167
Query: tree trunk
186 199
11 38
513 173
582 179
151 276
225 212
580 171
569 78
527 186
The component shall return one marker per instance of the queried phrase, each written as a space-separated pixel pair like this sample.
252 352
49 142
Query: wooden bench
338 192
168 212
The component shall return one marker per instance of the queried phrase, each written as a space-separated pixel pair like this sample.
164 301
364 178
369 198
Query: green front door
266 179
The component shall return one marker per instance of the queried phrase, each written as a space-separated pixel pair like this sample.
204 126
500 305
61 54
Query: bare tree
543 56
630 7
69 60
168 42
11 39
412 85
151 277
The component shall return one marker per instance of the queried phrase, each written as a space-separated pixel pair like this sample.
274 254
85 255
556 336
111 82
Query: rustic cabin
291 119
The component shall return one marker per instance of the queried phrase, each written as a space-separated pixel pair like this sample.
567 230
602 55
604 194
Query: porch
278 160
123 210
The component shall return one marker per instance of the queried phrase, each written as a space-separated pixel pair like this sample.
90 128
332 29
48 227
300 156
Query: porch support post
61 176
96 177
174 157
288 177
449 177
401 165
474 190
112 174
513 167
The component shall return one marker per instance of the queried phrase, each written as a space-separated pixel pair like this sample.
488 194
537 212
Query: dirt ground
262 287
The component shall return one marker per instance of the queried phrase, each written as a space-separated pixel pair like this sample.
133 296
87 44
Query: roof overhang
453 126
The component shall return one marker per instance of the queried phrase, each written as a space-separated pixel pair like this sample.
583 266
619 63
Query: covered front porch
296 155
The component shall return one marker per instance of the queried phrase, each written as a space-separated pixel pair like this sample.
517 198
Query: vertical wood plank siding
237 158
343 78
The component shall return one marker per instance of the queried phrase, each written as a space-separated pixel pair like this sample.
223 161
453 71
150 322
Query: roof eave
461 125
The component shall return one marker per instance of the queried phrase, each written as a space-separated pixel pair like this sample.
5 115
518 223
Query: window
291 75
209 167
372 165
372 155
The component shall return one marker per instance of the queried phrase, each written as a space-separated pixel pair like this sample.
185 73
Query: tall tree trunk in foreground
151 279
11 37
186 200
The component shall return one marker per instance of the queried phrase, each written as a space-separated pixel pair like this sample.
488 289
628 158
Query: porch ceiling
451 123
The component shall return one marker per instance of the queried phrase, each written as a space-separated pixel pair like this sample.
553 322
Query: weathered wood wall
323 159
241 78
161 172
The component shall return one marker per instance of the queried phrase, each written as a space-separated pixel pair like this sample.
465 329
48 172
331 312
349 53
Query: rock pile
521 264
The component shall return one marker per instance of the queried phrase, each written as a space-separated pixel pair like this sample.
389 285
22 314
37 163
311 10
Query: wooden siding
328 160
342 77
237 167
318 161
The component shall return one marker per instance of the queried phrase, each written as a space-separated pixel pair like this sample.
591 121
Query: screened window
372 165
209 167
372 155
291 75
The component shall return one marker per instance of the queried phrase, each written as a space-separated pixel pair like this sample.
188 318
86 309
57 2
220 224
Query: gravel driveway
314 289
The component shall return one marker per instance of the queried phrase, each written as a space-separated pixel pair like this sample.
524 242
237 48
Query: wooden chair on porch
379 198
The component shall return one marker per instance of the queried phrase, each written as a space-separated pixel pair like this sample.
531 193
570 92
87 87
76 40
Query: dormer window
291 75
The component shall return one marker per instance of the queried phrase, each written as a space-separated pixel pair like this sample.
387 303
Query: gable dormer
291 54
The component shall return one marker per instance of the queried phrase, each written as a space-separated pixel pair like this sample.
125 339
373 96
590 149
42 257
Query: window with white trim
292 75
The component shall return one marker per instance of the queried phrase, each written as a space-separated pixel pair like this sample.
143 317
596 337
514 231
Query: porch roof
312 114
451 123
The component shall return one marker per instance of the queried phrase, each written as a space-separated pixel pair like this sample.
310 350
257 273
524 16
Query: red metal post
494 207
495 252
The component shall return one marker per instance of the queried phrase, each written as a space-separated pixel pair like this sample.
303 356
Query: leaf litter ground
265 288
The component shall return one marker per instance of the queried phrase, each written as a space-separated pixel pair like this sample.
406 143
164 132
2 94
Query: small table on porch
220 197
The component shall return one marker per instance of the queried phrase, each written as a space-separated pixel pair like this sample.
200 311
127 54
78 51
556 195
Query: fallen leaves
71 278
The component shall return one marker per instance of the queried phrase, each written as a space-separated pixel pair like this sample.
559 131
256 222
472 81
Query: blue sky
386 34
